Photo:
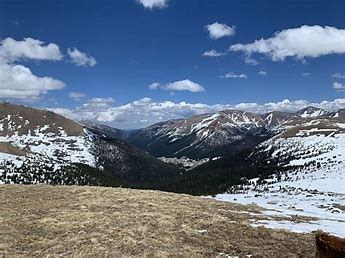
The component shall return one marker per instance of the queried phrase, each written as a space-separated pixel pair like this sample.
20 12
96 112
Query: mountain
108 131
201 136
309 140
276 118
310 156
310 147
291 163
310 111
204 154
41 146
228 131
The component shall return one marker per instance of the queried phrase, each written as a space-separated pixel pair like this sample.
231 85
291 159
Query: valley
290 164
172 128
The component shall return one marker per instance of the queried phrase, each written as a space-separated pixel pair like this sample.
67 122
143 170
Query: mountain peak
23 120
311 111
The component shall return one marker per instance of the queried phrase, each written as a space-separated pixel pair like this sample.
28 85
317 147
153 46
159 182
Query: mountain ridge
41 146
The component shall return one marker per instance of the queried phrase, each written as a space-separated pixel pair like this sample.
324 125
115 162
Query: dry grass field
73 221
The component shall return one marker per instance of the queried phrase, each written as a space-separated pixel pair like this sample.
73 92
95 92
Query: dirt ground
51 221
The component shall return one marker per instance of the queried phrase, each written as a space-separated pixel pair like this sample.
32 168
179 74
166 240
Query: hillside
38 146
45 220
221 133
201 136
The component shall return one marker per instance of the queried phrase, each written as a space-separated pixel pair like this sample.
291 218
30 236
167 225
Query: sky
132 63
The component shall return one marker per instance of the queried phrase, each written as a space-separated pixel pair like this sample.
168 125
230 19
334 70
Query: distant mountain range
219 150
221 133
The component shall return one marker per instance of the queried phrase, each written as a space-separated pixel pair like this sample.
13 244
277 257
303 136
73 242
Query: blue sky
119 48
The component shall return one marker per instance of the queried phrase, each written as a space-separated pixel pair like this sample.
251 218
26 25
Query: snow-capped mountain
201 136
230 145
309 112
314 139
226 132
41 146
276 118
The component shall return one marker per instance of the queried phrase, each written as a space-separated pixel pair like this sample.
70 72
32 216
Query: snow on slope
60 148
31 137
207 125
319 195
316 188
201 136
310 112
42 149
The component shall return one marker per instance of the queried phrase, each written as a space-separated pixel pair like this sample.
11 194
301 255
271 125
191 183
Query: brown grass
7 147
95 221
36 118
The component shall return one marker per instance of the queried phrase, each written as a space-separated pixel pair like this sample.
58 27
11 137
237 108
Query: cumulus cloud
17 81
150 4
81 59
213 53
262 73
302 42
183 85
337 86
12 50
218 30
234 76
338 76
77 96
145 111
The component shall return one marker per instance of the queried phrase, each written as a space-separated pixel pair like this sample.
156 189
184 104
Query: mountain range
202 154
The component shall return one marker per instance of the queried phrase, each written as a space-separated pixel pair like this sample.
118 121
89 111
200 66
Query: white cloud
17 81
12 50
338 76
183 85
213 53
250 61
145 111
154 86
234 76
98 103
150 4
77 96
81 59
337 86
218 30
262 73
69 113
187 85
302 42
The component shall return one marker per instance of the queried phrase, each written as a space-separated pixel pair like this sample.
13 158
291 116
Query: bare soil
49 221
7 147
